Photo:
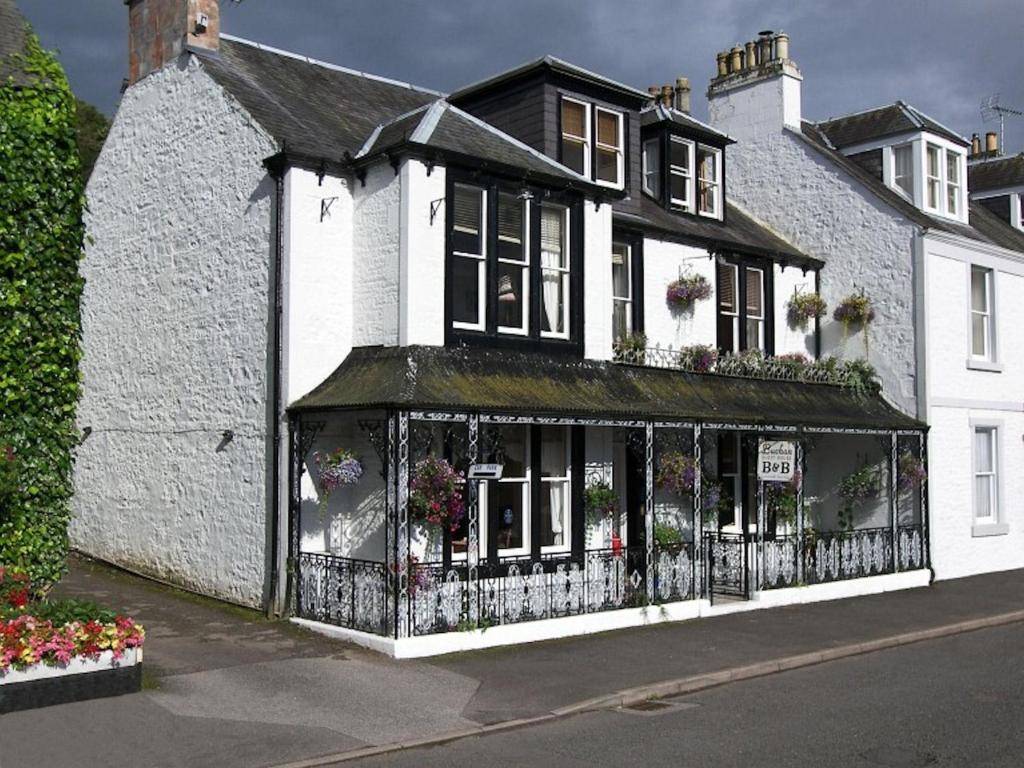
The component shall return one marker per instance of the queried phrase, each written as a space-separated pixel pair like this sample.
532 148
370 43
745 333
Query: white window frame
761 321
626 300
566 483
945 150
993 524
647 170
588 130
524 330
619 149
989 353
716 184
689 203
566 272
736 480
736 299
483 497
952 186
908 147
481 259
930 180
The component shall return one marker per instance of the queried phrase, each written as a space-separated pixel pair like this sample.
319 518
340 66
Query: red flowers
14 589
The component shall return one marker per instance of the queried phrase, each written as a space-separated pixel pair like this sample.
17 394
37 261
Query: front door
727 548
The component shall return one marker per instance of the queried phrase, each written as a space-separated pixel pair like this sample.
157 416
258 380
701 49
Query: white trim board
592 623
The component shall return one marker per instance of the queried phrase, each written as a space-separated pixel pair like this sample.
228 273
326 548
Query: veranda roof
528 383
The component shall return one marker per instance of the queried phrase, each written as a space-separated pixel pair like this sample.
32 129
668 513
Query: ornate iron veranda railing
343 591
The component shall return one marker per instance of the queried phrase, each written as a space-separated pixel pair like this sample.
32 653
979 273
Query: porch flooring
232 689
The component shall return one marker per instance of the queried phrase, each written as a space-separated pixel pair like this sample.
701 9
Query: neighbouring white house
885 199
408 366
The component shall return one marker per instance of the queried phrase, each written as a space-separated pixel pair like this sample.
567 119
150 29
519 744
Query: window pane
574 155
467 220
706 163
553 451
727 333
574 119
620 271
510 451
727 287
554 514
755 293
753 334
511 233
552 237
680 187
933 161
507 500
952 167
679 154
652 167
607 128
466 290
553 295
984 461
979 289
607 165
511 295
622 322
979 347
904 172
983 496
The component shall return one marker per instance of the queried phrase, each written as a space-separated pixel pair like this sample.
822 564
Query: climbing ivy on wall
41 234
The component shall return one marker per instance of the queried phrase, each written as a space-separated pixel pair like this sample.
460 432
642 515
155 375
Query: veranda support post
800 512
894 499
922 443
473 517
698 514
649 507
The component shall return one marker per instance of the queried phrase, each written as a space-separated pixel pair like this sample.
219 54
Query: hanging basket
686 291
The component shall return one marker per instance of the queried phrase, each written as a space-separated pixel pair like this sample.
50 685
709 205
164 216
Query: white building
308 287
882 197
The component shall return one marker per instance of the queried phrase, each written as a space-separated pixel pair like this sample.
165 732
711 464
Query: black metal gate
726 557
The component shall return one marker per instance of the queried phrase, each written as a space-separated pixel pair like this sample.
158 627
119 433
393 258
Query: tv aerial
992 110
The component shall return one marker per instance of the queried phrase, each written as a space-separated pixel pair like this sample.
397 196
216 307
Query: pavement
225 687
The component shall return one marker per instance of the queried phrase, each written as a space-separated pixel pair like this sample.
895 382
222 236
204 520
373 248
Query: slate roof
553 64
448 129
12 43
984 225
659 113
890 120
739 231
516 382
996 174
312 108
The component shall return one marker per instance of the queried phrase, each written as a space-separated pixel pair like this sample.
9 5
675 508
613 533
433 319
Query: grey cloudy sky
942 56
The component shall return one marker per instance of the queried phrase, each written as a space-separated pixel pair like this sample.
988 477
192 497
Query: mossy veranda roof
526 383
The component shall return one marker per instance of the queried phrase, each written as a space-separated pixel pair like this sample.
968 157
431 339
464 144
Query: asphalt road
952 702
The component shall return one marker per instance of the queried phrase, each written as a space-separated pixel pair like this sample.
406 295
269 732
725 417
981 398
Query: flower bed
62 651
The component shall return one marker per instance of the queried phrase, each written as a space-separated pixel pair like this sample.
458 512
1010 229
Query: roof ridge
928 117
855 114
517 143
368 144
329 65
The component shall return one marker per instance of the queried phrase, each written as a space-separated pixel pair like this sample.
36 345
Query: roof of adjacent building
461 379
552 64
446 128
880 122
739 231
659 113
996 173
984 226
13 35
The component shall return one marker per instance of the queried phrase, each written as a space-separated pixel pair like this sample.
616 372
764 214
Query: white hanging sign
485 471
776 460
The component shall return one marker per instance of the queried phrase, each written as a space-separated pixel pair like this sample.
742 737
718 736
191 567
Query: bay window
982 330
680 178
513 264
609 147
622 291
469 257
709 181
554 264
576 136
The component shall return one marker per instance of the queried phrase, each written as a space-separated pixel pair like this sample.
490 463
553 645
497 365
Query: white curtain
552 287
555 489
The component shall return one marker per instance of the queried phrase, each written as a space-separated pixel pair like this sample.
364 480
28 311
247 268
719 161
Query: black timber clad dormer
526 104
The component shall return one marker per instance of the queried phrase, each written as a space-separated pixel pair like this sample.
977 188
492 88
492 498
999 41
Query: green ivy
41 234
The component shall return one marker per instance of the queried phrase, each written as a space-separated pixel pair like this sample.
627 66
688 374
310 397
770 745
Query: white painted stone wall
175 320
791 339
317 279
376 247
665 261
422 299
780 179
597 289
958 394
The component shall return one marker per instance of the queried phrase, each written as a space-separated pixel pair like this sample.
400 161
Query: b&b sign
776 460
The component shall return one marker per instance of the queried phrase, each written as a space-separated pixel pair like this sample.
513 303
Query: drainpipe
276 167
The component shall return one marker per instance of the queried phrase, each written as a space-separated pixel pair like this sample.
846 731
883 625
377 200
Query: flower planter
80 679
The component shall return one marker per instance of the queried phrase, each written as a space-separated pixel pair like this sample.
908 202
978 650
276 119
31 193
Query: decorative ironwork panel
781 556
473 520
840 555
402 525
726 559
910 547
343 591
674 573
439 599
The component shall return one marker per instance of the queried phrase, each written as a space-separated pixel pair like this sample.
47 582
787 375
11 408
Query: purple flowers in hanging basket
435 494
911 472
855 310
338 468
803 307
676 473
682 293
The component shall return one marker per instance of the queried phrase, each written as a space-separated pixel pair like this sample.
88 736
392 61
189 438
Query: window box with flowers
62 651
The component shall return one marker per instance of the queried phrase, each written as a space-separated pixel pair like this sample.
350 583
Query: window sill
974 364
979 530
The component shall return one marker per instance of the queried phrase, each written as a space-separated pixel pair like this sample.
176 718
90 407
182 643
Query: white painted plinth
77 666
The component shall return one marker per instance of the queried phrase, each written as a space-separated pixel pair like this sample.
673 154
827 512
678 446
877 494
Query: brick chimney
160 30
757 86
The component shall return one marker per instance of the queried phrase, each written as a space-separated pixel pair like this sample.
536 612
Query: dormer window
952 183
928 171
709 169
942 175
601 157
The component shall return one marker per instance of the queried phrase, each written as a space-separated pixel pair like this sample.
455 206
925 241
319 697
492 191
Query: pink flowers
682 293
26 641
435 494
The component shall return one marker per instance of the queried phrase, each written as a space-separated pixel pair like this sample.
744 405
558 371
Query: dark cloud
940 55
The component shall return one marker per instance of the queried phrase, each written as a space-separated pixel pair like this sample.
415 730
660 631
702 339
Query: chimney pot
764 48
975 145
991 143
682 95
723 63
751 55
736 58
666 95
782 46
